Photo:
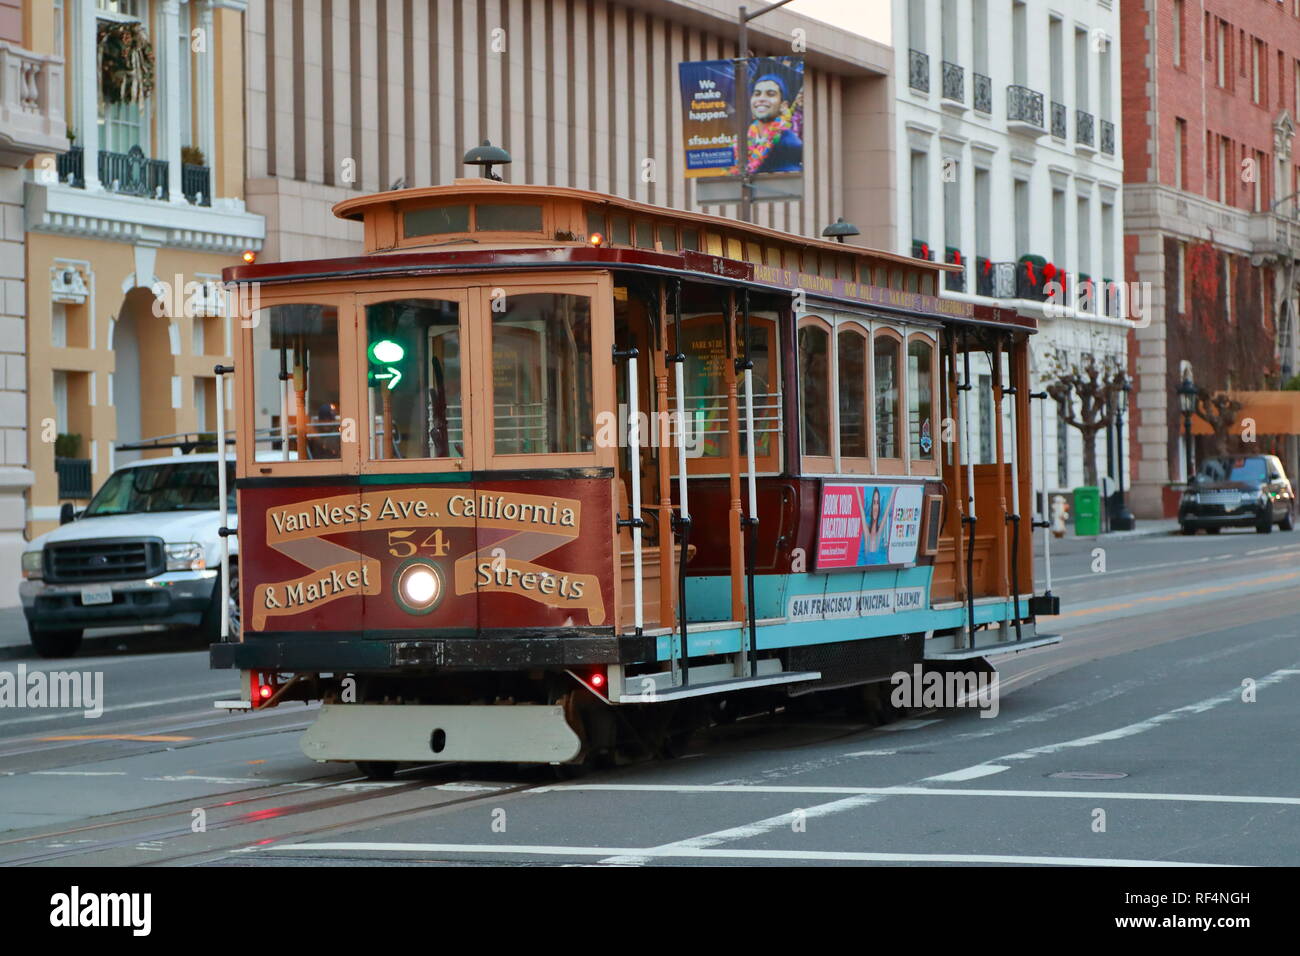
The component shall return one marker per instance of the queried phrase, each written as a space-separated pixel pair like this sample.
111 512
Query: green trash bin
1087 511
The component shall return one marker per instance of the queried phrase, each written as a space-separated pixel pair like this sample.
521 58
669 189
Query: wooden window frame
599 289
852 464
919 466
819 464
890 465
339 298
396 221
463 296
719 466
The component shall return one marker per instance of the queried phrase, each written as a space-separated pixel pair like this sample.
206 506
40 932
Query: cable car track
310 806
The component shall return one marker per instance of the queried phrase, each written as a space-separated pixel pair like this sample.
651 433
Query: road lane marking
914 791
1166 598
1265 550
183 778
145 738
968 773
1150 723
810 856
872 753
113 710
745 831
909 724
78 773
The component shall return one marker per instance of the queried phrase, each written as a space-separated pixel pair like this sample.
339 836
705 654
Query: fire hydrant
1060 513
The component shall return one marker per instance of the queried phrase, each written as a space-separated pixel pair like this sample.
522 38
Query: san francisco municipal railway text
327 514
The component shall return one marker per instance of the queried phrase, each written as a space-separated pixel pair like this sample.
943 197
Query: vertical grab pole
1045 522
678 358
223 580
1014 517
285 377
634 459
969 517
746 363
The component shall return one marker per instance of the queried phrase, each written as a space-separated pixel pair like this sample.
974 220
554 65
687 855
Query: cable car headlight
418 586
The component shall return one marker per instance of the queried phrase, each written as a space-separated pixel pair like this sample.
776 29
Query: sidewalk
1145 527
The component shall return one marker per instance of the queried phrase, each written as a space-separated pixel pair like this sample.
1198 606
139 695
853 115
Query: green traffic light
386 351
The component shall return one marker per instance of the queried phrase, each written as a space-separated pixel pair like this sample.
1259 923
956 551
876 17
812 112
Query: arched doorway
142 402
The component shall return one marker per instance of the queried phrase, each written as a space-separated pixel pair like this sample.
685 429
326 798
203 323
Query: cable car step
992 650
656 696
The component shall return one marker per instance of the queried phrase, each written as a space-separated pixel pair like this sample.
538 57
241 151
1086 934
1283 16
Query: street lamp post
1121 518
743 16
1187 392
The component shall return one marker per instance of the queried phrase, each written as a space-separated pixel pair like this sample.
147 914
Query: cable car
548 475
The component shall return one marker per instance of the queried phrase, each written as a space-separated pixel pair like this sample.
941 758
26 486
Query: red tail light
263 687
597 680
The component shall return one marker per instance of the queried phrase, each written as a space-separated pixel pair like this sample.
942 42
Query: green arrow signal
393 376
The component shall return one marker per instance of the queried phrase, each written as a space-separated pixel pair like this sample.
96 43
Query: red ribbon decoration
1049 272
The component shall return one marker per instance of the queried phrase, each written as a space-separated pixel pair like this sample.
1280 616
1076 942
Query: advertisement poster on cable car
774 93
868 526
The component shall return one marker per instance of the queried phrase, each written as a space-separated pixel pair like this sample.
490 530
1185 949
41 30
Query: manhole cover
1087 775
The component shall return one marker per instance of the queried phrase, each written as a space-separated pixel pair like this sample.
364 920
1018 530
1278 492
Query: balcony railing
1058 120
954 281
995 279
1108 137
74 477
983 93
1024 106
918 71
1083 127
196 184
31 103
133 174
71 167
954 82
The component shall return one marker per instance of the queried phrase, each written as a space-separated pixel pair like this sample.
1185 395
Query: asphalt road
1130 742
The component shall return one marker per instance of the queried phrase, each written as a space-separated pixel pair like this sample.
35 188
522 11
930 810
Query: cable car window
853 393
920 392
815 390
296 380
595 222
619 231
414 379
645 237
886 397
509 217
767 400
436 220
691 239
668 238
704 343
541 374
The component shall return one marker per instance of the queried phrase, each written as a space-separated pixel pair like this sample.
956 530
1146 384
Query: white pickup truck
144 552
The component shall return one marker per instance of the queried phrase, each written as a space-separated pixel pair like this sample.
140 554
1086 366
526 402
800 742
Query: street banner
868 526
773 88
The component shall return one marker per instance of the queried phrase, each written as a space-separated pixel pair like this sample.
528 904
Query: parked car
145 551
1238 491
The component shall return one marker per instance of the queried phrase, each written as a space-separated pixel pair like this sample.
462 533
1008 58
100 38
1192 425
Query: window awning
1275 413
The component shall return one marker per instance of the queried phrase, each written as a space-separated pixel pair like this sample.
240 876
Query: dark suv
1238 491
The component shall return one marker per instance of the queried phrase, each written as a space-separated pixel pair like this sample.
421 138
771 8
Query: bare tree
1084 389
1219 411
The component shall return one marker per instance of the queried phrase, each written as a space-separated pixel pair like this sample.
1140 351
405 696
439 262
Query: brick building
1210 90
